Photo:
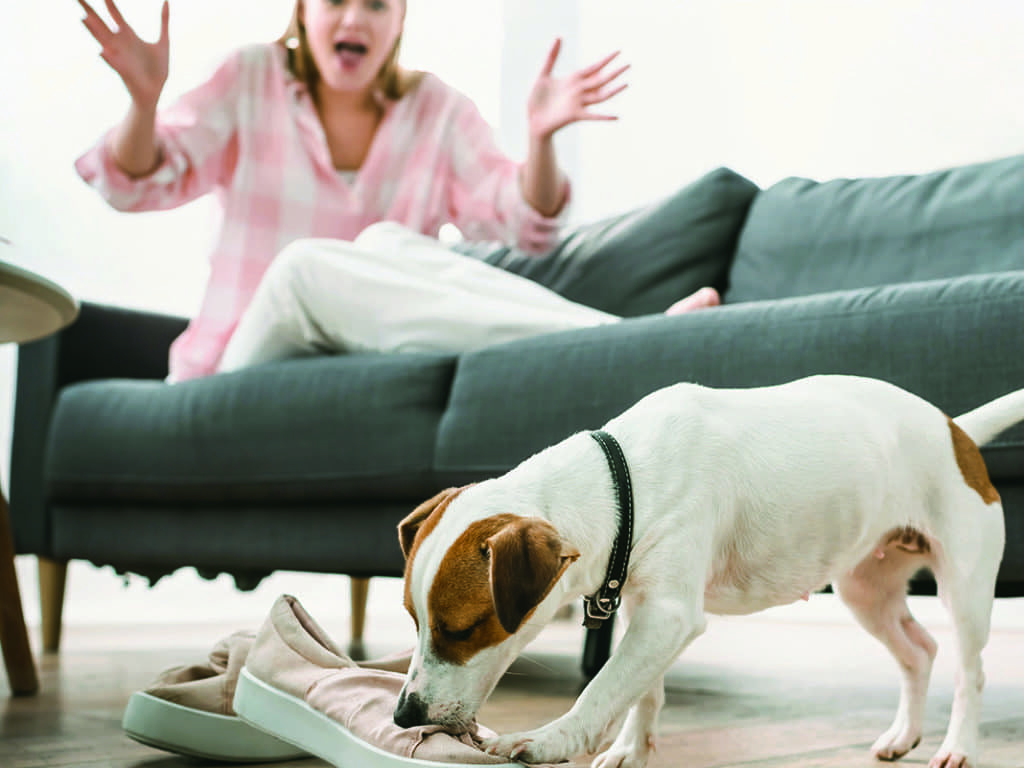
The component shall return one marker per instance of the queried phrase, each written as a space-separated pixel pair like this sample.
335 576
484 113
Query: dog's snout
410 711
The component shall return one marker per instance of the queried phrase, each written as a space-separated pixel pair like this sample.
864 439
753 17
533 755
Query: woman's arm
192 149
543 184
553 104
143 69
521 204
486 189
133 143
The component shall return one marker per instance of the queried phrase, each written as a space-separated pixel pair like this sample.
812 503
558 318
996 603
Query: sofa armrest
104 342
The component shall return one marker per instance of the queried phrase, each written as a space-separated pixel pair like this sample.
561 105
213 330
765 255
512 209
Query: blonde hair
392 81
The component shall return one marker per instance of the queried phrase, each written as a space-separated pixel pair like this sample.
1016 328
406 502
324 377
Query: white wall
821 88
769 87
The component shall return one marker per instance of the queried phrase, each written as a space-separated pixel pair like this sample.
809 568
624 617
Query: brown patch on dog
909 540
972 465
416 526
490 581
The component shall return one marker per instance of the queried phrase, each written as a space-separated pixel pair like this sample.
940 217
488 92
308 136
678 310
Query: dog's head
476 588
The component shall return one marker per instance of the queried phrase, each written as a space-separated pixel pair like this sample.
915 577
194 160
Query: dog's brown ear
527 558
410 526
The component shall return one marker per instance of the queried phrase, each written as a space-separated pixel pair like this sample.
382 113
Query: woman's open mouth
350 53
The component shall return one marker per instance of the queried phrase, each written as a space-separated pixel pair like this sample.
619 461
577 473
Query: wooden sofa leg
17 653
52 578
360 592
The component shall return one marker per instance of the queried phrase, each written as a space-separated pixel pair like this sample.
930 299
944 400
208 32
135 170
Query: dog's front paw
625 754
511 745
895 743
950 759
550 744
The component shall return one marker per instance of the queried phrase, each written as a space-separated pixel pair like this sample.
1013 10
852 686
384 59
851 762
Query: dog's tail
988 420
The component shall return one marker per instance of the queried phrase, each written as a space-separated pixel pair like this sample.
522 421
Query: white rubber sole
292 719
165 725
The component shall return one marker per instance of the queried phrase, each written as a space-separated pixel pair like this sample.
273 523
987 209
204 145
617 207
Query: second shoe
187 710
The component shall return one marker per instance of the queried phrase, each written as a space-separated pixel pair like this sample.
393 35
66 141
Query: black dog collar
601 606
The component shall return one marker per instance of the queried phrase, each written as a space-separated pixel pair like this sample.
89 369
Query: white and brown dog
744 499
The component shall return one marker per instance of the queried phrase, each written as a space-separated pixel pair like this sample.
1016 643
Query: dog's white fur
745 499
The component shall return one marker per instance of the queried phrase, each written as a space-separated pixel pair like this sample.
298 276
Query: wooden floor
778 689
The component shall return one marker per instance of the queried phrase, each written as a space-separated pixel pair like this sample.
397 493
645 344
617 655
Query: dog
744 499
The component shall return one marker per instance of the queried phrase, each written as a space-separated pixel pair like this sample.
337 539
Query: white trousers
391 290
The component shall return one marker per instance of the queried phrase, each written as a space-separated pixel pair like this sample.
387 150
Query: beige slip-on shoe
297 685
187 710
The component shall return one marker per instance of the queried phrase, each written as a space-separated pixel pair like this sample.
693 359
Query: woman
309 141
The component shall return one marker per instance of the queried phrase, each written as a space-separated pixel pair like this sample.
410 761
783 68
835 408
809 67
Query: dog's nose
411 710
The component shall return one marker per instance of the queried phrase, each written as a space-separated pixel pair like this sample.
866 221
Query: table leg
21 667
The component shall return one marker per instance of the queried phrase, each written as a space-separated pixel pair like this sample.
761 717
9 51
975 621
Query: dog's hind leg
966 576
876 593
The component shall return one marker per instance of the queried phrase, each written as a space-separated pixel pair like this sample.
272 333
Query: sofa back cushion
804 237
640 262
955 343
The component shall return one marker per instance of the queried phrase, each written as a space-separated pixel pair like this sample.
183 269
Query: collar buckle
598 610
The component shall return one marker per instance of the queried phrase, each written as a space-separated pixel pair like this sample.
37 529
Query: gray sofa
309 464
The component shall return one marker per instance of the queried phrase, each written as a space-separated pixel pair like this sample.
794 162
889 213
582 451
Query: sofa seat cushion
957 343
334 427
642 261
805 237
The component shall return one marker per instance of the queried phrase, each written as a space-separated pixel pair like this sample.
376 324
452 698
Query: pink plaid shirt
252 136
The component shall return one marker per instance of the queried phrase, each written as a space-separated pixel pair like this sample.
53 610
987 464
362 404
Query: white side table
31 307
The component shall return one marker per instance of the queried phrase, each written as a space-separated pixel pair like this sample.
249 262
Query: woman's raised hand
555 103
141 65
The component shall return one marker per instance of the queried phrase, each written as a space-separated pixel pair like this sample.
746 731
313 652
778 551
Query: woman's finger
97 28
165 16
549 63
604 95
115 14
99 32
596 83
595 68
